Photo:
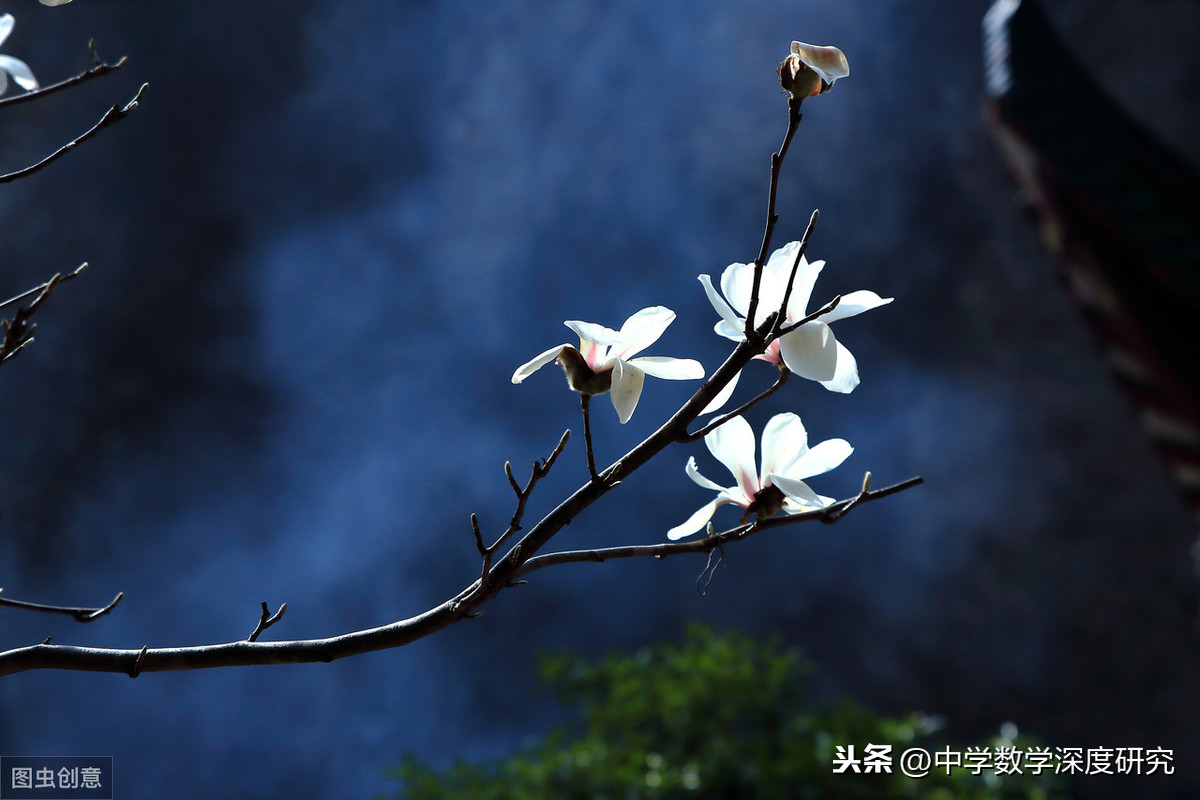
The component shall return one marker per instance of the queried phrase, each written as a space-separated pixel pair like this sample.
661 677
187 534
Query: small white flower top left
18 69
604 363
779 485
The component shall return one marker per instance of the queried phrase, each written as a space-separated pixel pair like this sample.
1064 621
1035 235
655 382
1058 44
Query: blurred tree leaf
718 715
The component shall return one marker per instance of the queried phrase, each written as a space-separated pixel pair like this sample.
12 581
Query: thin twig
713 424
585 406
58 278
488 553
79 614
794 117
16 334
832 512
112 116
98 69
265 620
820 312
787 293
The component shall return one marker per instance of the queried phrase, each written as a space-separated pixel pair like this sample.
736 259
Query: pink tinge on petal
594 354
733 445
771 354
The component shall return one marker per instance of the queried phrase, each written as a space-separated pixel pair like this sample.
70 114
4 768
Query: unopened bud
812 69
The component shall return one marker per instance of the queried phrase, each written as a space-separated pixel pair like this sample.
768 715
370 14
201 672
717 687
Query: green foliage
715 716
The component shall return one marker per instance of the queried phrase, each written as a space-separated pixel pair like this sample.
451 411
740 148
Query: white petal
736 282
854 304
797 491
806 278
626 389
723 396
820 459
827 61
6 25
537 362
642 330
790 506
810 351
20 71
845 376
54 2
783 441
695 522
728 315
694 473
672 369
732 332
733 445
775 277
592 332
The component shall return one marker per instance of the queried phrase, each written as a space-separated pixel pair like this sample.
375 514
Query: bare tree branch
540 470
16 334
585 403
111 117
713 424
496 574
830 513
793 124
78 613
396 634
787 292
98 69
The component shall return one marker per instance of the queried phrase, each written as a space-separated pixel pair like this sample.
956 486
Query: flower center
582 378
767 503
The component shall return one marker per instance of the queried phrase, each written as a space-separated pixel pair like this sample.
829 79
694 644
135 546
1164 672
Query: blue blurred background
332 231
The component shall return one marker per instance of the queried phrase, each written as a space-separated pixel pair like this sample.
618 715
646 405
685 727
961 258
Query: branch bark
111 117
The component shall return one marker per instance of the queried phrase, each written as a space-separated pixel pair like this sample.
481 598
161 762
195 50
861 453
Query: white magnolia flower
812 69
54 2
603 361
779 485
810 351
18 69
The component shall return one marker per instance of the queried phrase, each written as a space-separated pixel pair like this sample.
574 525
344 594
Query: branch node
136 668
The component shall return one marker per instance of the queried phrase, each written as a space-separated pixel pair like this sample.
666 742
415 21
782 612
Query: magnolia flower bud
812 69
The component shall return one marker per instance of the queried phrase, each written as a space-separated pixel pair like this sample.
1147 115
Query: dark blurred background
332 231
